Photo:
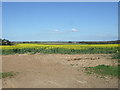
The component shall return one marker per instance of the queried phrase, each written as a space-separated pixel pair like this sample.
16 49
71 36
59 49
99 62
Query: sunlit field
61 49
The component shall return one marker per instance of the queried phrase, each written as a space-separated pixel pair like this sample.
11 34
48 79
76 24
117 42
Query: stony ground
56 71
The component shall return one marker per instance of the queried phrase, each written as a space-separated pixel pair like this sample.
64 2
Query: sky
60 21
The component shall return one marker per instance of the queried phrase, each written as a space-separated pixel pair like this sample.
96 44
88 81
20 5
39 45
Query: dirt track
55 71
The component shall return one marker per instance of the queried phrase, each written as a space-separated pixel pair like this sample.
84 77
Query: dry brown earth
56 71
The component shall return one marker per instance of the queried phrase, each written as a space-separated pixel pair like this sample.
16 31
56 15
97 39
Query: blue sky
60 21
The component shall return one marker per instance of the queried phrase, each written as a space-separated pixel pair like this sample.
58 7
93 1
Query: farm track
56 71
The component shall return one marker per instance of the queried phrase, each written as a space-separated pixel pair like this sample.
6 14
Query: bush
5 42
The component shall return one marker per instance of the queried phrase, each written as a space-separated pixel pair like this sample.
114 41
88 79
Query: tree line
5 42
101 42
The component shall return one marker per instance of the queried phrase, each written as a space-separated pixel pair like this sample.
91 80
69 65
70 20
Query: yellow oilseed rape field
63 49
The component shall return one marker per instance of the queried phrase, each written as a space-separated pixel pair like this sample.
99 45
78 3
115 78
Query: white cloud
74 30
57 31
65 31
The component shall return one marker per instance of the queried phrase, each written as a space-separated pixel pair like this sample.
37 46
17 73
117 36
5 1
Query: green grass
7 74
116 55
104 70
91 50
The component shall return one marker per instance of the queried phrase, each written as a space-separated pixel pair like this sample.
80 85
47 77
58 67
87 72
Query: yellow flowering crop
37 46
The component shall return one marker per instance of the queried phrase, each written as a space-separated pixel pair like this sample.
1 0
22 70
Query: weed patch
7 74
104 70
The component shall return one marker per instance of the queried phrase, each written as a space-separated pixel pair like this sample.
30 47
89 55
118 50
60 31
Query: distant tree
5 42
118 41
69 41
0 41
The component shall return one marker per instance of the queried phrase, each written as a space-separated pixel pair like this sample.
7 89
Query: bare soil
56 71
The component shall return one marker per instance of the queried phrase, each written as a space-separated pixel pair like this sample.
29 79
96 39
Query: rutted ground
56 71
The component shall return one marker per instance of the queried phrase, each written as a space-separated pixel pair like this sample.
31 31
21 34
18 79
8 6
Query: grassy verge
92 50
116 56
7 74
104 70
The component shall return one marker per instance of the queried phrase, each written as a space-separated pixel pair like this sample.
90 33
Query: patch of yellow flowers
38 46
